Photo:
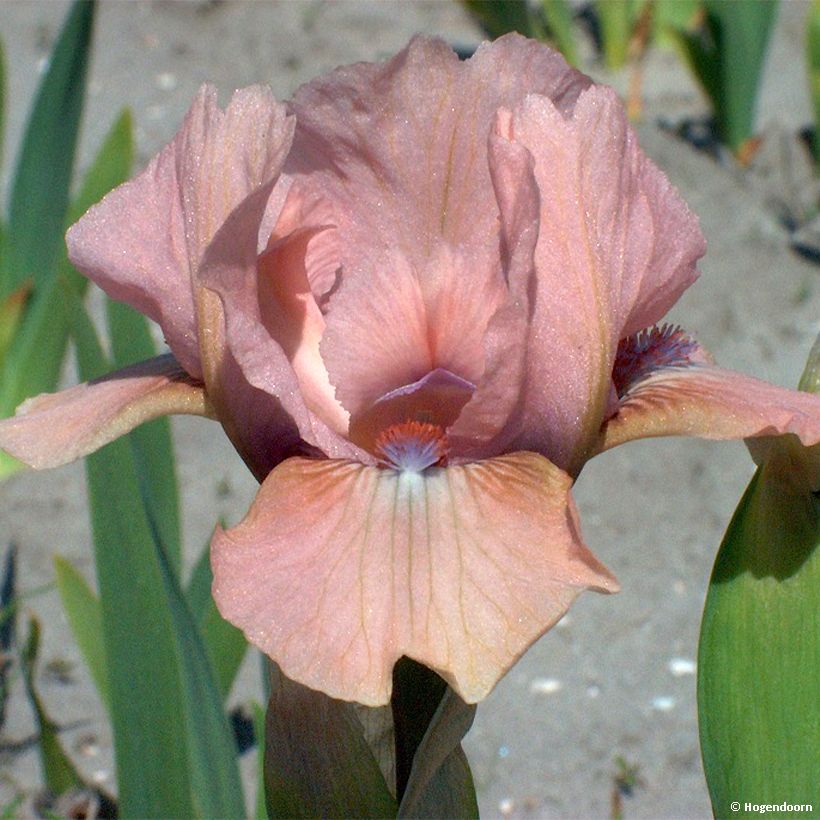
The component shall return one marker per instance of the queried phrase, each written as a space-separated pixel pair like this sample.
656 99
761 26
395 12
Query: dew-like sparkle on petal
412 446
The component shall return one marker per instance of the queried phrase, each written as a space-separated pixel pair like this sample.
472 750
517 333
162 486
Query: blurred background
599 718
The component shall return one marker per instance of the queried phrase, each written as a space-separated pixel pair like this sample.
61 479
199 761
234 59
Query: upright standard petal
143 243
399 149
339 569
272 328
616 245
55 428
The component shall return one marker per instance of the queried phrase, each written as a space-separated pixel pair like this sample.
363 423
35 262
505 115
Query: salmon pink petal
54 428
400 148
272 328
340 569
143 243
492 418
389 327
711 402
616 245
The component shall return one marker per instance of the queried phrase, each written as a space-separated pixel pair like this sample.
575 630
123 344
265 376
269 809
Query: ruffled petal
400 148
272 328
710 402
616 245
145 240
339 569
55 428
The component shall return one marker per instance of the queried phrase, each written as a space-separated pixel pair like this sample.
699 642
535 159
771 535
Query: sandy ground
616 677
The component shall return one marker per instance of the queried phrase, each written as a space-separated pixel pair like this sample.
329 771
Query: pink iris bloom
418 297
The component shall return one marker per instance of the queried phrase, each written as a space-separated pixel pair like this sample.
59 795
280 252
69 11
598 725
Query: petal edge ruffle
339 569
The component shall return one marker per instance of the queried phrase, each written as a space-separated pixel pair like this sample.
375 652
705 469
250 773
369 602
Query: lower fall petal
55 428
710 402
340 569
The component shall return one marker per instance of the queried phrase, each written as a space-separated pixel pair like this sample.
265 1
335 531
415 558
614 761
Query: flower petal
492 418
400 148
616 245
710 402
272 328
145 240
391 326
339 569
54 428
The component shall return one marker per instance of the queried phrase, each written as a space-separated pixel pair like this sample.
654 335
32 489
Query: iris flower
419 296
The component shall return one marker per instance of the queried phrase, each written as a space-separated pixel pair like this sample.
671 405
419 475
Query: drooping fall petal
616 245
339 569
143 243
711 402
55 428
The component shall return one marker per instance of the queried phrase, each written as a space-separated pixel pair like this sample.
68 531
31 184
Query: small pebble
545 686
506 806
166 81
663 703
593 691
682 666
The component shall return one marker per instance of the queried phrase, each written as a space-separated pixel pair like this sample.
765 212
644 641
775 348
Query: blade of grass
82 608
558 17
174 747
741 30
260 812
39 194
225 644
499 17
58 771
2 101
813 57
131 342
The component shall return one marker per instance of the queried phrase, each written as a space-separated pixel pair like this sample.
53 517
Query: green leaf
82 608
39 194
672 15
198 591
430 721
111 166
58 772
174 748
224 643
813 55
33 362
11 313
153 451
558 17
498 17
317 760
260 811
726 56
741 31
2 100
759 654
38 336
616 21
